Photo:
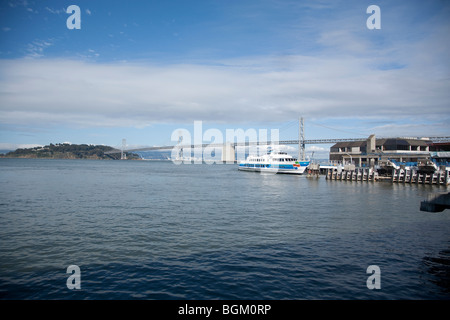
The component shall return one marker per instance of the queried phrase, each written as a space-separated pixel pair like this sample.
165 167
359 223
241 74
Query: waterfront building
440 153
372 151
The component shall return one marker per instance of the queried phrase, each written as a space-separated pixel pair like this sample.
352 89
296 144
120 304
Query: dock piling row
359 174
398 176
414 176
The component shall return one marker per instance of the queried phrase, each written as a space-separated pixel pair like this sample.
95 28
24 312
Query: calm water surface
156 230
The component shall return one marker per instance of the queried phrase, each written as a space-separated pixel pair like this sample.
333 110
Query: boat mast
301 140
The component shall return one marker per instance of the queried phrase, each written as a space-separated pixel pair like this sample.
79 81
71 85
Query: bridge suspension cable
262 143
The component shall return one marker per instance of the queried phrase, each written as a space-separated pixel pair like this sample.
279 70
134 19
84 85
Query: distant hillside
68 151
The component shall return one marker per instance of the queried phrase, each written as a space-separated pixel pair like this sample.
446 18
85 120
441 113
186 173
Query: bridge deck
260 143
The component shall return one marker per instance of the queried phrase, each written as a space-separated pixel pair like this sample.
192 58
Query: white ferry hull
299 169
274 162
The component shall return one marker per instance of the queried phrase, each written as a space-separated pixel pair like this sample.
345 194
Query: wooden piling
397 176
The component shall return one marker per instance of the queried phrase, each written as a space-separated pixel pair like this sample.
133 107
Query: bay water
157 230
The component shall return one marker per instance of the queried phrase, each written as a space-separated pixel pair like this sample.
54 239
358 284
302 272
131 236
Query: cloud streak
81 93
36 48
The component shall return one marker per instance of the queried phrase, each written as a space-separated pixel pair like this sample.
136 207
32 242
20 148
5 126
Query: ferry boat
274 162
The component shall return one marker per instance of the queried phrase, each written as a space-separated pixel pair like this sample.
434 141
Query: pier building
372 151
440 153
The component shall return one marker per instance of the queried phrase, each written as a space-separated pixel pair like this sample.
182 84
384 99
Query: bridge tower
180 142
228 153
123 155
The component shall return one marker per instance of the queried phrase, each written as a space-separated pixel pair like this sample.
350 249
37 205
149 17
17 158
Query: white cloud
16 3
14 146
439 128
36 48
79 93
316 149
55 11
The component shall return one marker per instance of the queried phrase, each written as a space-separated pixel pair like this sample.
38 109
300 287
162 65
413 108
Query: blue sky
141 69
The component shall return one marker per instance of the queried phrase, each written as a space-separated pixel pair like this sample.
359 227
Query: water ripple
141 230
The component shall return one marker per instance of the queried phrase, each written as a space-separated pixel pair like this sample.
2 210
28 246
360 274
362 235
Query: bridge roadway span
259 143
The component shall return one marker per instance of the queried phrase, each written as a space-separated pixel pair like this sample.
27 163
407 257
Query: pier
352 174
441 177
396 160
313 170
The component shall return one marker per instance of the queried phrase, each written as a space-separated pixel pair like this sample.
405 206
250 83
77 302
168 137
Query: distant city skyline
140 70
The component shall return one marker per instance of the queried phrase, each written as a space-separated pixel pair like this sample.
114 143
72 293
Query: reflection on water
438 269
141 229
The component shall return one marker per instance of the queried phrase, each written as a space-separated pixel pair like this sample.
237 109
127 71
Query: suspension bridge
229 148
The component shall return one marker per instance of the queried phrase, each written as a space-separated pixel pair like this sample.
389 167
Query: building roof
402 141
383 142
350 144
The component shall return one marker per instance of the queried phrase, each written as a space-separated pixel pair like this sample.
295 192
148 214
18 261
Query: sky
140 70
